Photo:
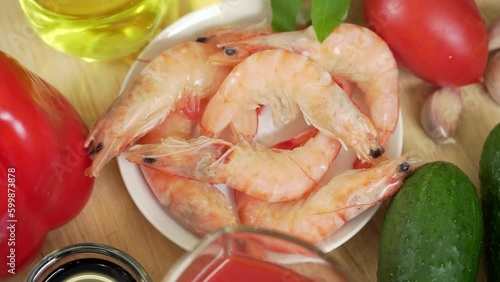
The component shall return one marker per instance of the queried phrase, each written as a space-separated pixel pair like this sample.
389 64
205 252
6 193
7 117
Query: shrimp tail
244 126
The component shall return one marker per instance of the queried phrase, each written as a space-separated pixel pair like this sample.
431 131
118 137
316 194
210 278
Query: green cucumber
489 177
433 228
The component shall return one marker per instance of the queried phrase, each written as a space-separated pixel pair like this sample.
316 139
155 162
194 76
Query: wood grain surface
112 218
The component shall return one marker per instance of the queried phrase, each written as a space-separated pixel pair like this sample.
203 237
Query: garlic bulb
494 35
492 77
440 114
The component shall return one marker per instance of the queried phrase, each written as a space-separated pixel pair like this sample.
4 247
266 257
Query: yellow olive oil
96 29
179 8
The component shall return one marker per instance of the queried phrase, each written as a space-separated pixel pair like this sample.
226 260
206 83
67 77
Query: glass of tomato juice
249 254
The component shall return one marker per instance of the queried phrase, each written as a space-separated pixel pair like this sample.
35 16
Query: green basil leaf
285 14
326 15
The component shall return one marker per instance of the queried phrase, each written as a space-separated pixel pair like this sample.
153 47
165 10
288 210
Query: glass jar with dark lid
88 262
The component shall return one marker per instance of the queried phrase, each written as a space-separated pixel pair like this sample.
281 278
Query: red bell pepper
42 160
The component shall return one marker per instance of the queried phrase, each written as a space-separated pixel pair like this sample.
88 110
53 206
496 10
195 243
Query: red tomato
444 42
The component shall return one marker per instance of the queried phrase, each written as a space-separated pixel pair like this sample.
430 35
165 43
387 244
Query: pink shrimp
351 52
268 174
200 206
324 210
171 80
178 77
291 84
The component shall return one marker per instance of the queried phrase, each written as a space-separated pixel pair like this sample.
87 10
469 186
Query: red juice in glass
249 270
249 254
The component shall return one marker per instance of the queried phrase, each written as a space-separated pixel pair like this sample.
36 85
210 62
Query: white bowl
189 28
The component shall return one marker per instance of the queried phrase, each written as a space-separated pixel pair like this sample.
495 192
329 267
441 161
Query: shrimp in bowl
199 206
351 52
227 152
174 79
325 209
291 84
177 78
269 174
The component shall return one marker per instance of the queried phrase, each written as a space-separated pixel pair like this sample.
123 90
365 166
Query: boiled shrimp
268 174
195 204
324 210
350 52
291 84
200 206
177 77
